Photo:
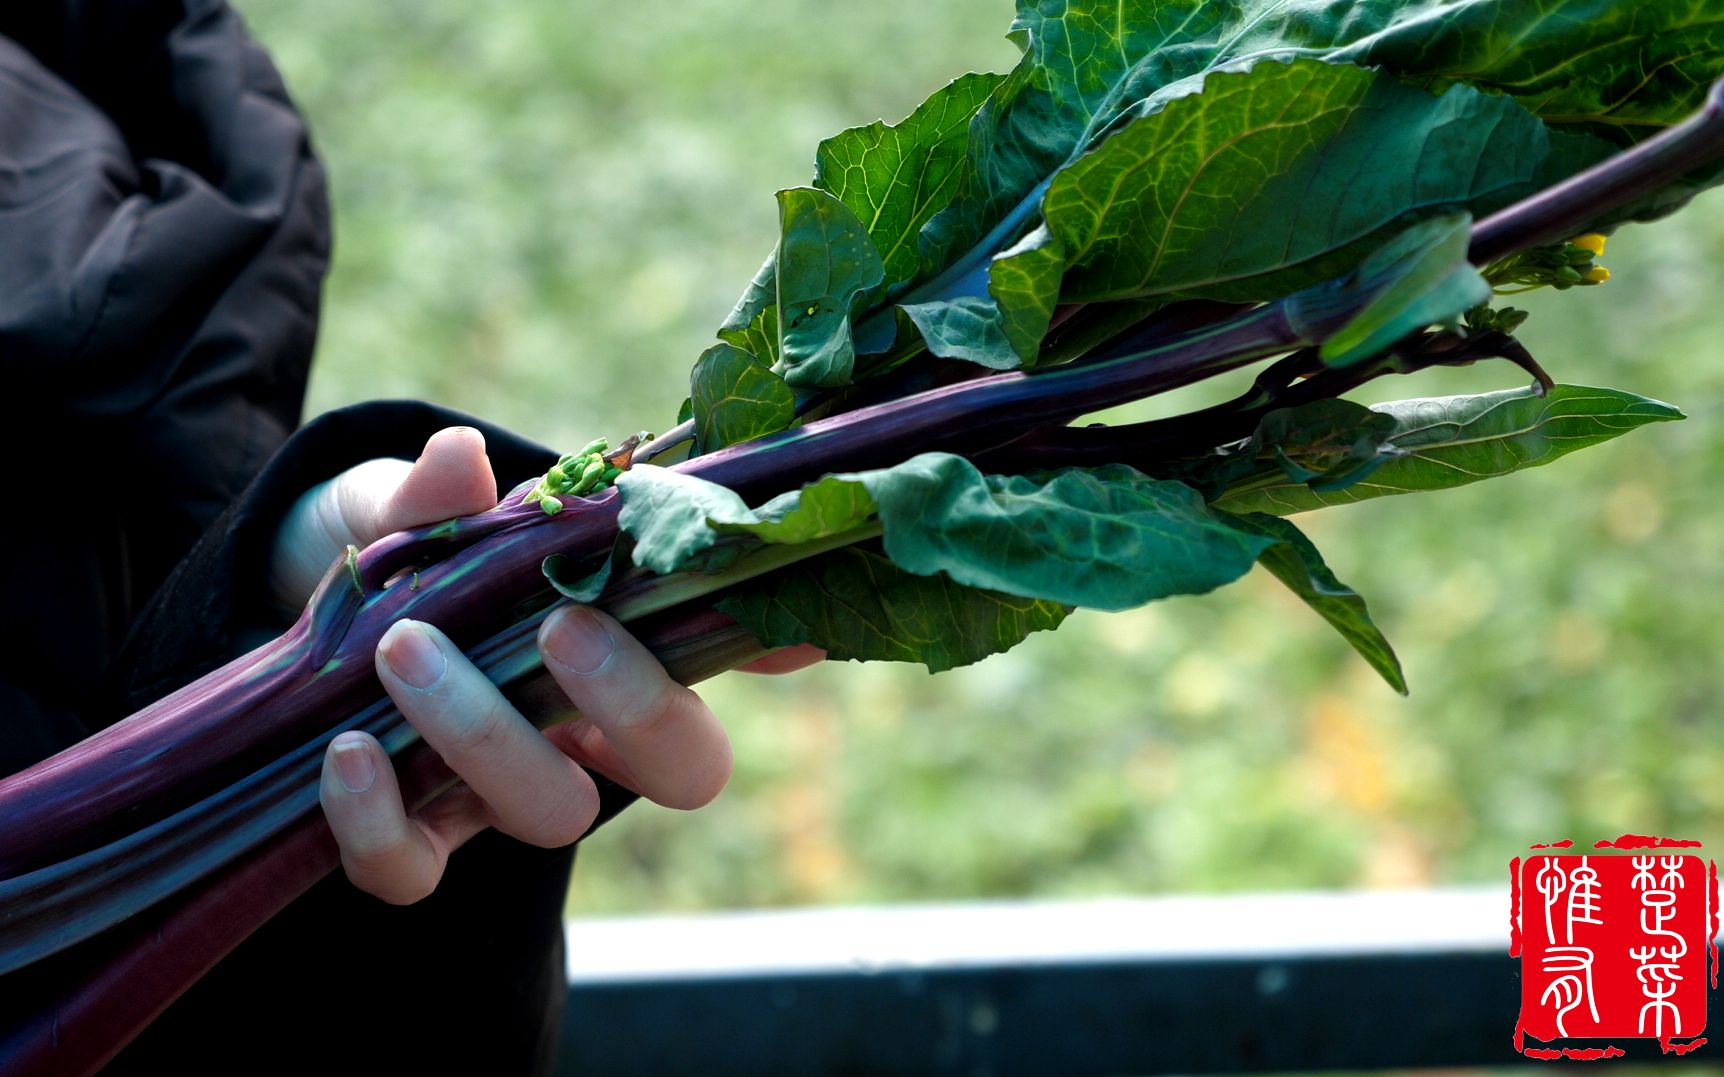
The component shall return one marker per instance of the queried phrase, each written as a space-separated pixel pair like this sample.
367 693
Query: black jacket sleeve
163 238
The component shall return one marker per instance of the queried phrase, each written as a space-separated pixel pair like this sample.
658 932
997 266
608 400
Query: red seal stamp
1615 944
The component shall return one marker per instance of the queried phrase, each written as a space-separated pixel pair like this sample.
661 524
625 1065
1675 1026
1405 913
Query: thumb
452 477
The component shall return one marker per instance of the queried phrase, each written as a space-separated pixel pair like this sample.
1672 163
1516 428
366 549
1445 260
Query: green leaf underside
859 606
894 177
825 264
1442 442
1296 562
735 397
1110 538
678 521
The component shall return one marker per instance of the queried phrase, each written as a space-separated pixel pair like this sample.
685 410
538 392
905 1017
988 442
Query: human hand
638 726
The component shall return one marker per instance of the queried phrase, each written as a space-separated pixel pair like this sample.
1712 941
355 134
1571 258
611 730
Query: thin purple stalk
133 976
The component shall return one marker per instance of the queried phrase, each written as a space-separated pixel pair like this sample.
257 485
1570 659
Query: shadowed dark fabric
164 234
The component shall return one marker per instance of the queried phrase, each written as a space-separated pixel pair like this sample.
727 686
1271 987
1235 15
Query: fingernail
353 763
413 655
578 642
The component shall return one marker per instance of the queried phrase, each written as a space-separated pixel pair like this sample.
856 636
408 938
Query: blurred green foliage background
543 209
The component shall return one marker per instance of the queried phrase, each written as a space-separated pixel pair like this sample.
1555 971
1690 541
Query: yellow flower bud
1597 275
1592 241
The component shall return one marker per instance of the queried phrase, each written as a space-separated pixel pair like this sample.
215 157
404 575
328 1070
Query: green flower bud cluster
1486 319
1560 266
574 475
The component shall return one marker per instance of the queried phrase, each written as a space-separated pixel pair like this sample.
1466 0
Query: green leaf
1284 176
1004 328
1078 58
1441 442
1624 64
1326 443
761 293
1430 283
968 327
826 263
830 506
736 397
1296 562
680 521
1617 63
858 606
566 577
894 177
1329 442
1109 538
759 337
666 512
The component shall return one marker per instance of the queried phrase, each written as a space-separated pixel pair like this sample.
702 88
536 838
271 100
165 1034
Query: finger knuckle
482 730
656 710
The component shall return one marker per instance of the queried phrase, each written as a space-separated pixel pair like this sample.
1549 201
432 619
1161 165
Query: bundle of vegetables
878 455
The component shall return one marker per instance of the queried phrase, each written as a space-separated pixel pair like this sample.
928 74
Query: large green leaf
1110 538
894 177
1619 63
1623 63
826 263
1442 442
1296 562
858 606
1078 58
1248 191
1282 176
735 397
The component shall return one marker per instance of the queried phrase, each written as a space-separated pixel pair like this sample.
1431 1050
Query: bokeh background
543 210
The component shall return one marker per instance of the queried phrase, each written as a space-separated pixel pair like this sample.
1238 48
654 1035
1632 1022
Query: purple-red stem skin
145 965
